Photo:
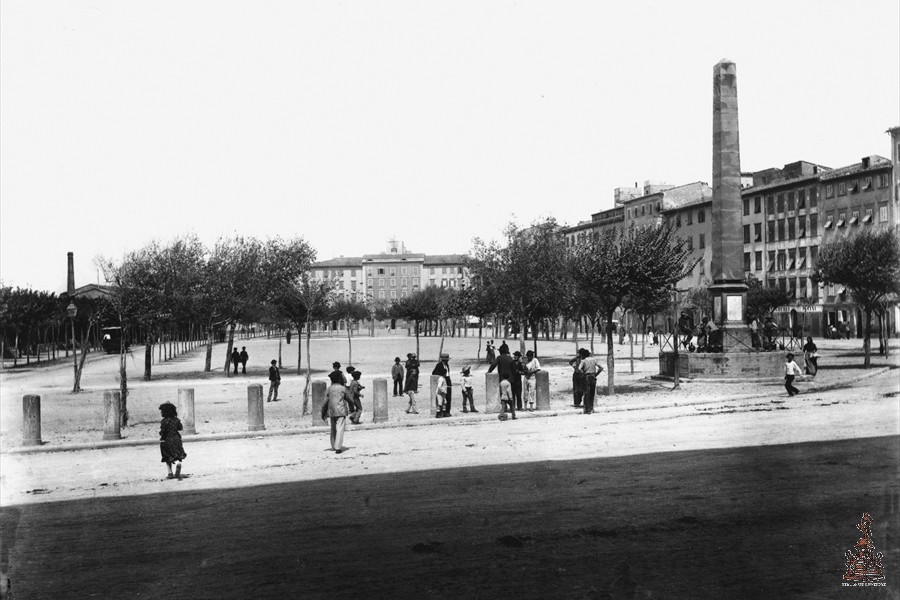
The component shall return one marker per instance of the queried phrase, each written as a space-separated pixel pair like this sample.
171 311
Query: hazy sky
348 123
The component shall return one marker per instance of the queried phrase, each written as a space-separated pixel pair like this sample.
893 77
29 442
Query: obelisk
729 292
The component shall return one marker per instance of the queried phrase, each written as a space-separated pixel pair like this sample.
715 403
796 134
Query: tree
645 304
762 301
313 296
868 263
417 307
350 311
609 269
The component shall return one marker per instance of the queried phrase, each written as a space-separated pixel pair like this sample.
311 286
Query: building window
771 260
790 200
393 271
853 186
868 217
842 188
813 253
841 220
813 225
802 288
829 191
690 243
801 199
829 220
393 282
381 294
854 217
628 213
781 229
883 213
403 282
746 206
801 227
757 205
867 183
813 197
746 234
757 232
393 294
801 258
770 204
403 270
370 283
702 240
689 216
757 256
791 231
701 216
353 285
883 180
791 259
770 230
747 261
643 209
370 272
415 281
780 199
381 270
381 282
415 270
782 260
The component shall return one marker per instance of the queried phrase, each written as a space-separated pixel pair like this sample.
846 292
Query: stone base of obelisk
724 367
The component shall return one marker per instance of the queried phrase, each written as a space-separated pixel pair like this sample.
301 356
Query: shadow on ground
758 522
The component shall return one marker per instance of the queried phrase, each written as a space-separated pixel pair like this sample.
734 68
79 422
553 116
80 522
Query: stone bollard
31 420
380 400
256 419
432 397
492 393
112 415
542 390
186 410
318 400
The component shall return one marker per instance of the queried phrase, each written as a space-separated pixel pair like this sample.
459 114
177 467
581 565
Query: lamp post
72 310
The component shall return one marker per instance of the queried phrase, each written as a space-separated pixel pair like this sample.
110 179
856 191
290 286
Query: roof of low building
876 163
392 257
341 261
446 259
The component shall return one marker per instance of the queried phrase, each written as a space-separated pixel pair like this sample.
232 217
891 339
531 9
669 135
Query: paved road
740 499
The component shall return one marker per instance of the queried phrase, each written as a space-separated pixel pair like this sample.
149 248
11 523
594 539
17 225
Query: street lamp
72 310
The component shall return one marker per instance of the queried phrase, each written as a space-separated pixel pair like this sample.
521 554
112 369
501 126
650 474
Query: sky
350 123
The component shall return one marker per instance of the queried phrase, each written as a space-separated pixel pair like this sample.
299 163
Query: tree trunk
418 352
478 353
229 348
534 335
867 342
77 387
209 345
299 348
610 358
123 381
279 352
593 323
349 344
643 338
148 356
306 409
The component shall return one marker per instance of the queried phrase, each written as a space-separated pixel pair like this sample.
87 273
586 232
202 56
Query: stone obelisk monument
729 292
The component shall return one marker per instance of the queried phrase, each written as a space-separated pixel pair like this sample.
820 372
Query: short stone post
380 400
542 391
256 420
31 420
186 410
432 399
112 415
318 400
492 393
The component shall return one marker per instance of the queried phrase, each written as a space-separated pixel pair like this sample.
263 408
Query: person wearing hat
397 376
577 380
411 385
335 409
442 368
355 388
532 366
336 368
274 381
590 368
516 378
506 369
244 358
686 327
467 394
791 370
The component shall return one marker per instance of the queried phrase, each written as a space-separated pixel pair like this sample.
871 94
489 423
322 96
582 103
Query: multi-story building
688 207
344 271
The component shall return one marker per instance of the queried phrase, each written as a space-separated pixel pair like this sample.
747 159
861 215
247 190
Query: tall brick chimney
70 281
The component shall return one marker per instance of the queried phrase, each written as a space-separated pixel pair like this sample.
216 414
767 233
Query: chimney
70 282
865 162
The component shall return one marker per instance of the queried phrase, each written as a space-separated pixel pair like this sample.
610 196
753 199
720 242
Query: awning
840 223
828 224
854 220
867 218
801 261
790 264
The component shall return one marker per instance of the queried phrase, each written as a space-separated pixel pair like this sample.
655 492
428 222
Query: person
770 331
356 395
170 440
235 359
845 327
811 357
274 382
686 328
532 366
244 358
791 370
412 372
506 369
577 380
336 408
754 333
336 368
656 337
397 376
467 393
442 368
621 334
706 329
590 366
350 369
440 399
489 352
504 345
515 379
506 399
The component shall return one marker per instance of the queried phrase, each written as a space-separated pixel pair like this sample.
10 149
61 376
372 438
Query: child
506 398
170 440
440 397
412 383
791 369
467 390
355 389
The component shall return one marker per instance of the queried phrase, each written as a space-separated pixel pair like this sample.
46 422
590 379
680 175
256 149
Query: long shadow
256 374
755 522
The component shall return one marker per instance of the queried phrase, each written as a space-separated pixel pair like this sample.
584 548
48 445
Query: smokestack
70 282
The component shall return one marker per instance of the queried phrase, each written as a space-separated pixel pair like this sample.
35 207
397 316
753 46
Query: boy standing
274 381
397 376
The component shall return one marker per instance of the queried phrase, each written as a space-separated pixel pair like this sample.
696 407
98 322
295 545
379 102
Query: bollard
318 400
112 415
492 393
186 410
433 397
380 401
31 420
256 419
542 390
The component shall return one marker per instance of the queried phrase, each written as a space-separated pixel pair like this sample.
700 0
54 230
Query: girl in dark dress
170 440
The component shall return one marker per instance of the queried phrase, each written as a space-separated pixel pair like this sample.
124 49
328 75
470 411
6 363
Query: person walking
335 409
577 380
397 376
244 358
532 366
467 393
336 368
170 440
489 352
791 370
356 395
811 357
235 359
590 367
274 381
443 369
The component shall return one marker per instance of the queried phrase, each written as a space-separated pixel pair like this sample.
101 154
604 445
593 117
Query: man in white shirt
590 367
532 366
791 369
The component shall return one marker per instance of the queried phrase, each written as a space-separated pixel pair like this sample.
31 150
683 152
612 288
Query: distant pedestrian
336 368
489 352
754 333
791 370
442 368
811 357
397 376
590 366
244 358
412 383
532 366
621 334
356 395
506 398
274 381
336 408
504 345
577 380
467 393
170 440
235 359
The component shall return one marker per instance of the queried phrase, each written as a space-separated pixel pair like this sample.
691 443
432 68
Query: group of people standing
513 370
240 358
585 369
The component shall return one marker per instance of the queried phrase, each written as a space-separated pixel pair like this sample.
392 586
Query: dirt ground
731 491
